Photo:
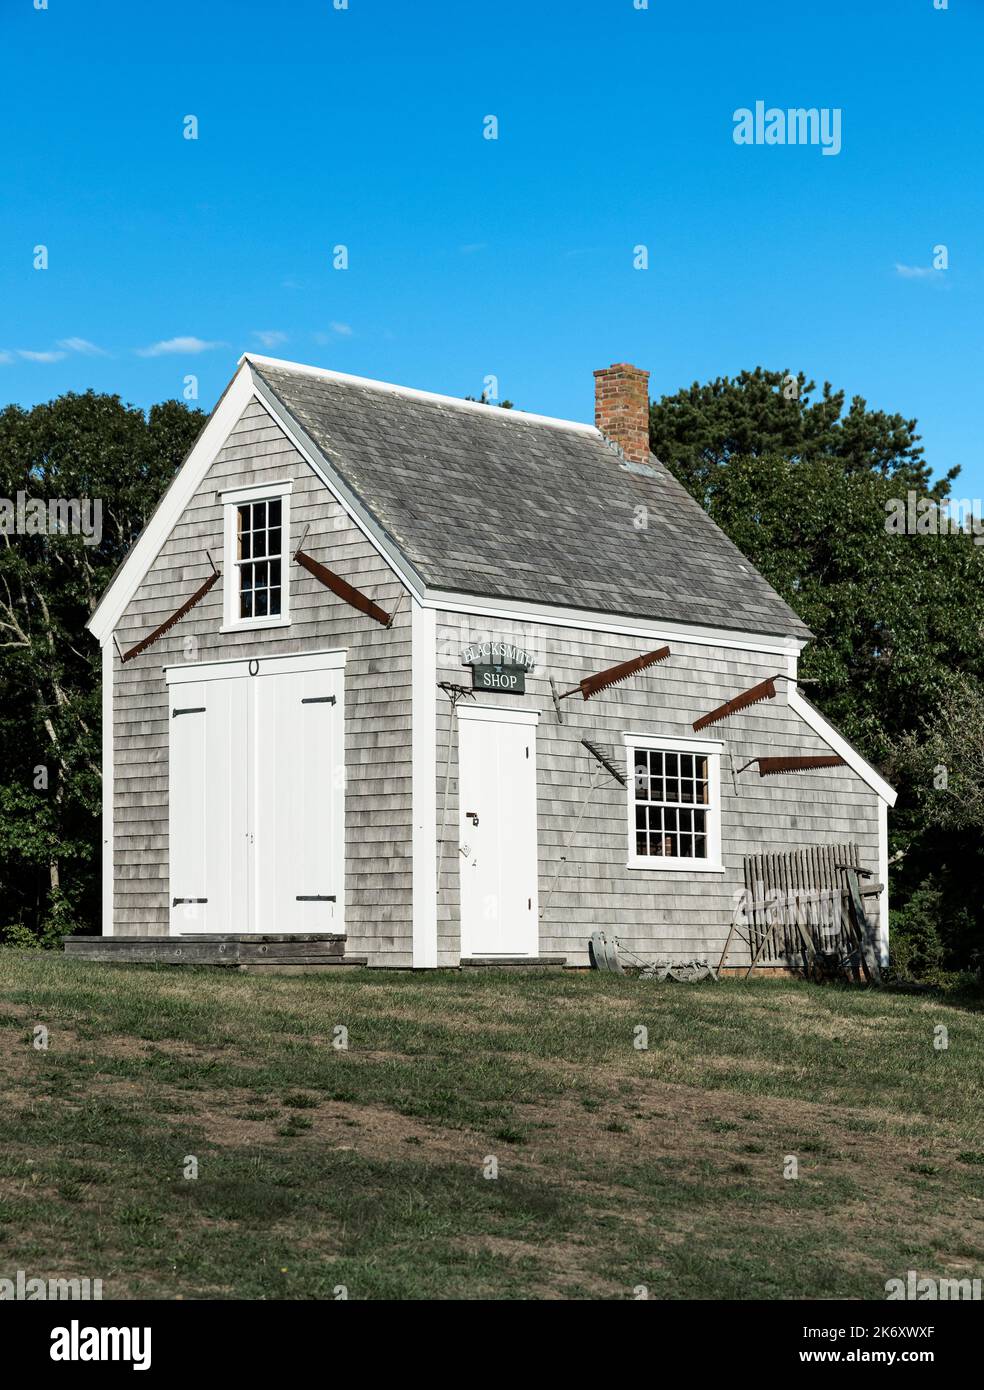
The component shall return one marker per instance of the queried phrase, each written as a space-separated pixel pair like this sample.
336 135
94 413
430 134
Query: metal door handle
472 816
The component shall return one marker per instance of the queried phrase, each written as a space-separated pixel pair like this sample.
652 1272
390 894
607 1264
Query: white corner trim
883 903
414 394
169 510
423 740
839 744
108 789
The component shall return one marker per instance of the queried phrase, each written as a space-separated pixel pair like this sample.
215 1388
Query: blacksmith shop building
406 680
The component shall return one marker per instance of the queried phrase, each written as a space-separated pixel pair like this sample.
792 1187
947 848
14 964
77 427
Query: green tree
804 490
76 447
761 413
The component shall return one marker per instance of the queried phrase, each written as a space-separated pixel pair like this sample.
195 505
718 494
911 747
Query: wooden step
231 952
513 962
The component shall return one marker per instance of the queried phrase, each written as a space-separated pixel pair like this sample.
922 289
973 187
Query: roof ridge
413 393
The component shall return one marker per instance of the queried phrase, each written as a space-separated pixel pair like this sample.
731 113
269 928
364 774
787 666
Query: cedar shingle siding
584 882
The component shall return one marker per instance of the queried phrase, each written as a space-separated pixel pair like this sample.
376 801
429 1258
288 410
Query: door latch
472 816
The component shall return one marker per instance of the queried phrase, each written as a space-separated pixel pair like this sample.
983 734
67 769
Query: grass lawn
366 1167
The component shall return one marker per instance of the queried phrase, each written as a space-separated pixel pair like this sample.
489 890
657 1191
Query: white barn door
299 869
497 831
208 806
257 796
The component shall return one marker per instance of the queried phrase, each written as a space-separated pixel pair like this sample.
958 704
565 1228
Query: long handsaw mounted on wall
770 767
341 588
604 680
175 617
765 690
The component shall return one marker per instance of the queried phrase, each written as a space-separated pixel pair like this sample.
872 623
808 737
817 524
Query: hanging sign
509 680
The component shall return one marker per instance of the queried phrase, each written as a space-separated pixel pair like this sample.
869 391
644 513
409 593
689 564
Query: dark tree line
76 447
799 479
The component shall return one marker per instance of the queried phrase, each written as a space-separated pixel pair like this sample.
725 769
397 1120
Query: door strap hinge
199 709
175 901
318 700
315 898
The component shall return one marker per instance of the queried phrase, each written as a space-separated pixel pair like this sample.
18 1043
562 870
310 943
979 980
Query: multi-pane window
259 557
672 804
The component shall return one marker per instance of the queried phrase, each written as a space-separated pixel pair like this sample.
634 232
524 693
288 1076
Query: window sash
672 804
259 558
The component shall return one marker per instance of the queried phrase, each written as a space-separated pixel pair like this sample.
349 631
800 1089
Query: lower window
674 804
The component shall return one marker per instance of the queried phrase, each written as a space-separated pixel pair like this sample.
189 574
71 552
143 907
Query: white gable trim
170 509
839 744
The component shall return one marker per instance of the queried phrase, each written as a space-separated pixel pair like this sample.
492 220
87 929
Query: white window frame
231 501
709 748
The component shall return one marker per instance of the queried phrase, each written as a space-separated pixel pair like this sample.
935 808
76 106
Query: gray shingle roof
494 503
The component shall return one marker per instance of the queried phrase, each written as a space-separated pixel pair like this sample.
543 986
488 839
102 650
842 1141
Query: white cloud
470 247
40 356
271 337
83 346
338 330
5 357
172 346
916 272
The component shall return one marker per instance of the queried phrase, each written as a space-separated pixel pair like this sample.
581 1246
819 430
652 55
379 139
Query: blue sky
470 257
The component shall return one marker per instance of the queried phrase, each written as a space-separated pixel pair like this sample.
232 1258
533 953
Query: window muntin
672 804
259 558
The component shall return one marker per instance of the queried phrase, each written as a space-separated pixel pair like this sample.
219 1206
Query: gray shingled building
382 731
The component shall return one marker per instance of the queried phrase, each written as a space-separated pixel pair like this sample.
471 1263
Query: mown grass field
365 1168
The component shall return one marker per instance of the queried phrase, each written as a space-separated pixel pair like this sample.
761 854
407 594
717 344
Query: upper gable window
257 551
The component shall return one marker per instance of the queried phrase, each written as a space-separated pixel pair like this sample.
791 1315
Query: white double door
497 835
257 795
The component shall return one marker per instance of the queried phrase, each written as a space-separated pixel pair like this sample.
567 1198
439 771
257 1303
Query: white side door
497 831
208 806
298 878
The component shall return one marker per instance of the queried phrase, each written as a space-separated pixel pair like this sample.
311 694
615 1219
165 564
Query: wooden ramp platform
250 951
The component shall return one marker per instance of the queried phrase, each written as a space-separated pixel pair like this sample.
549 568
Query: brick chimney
622 409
